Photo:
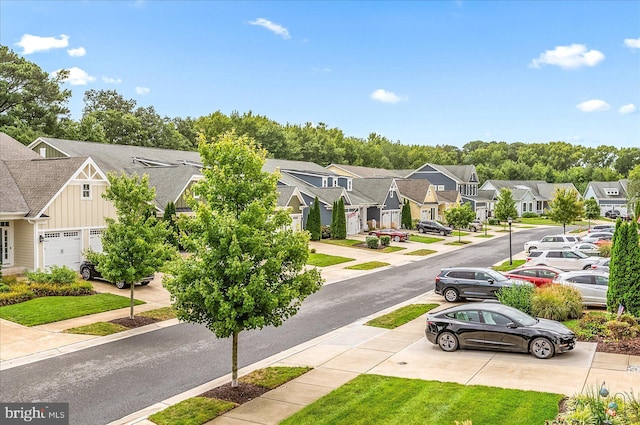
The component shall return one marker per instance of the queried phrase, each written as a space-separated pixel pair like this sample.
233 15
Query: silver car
591 284
588 248
601 265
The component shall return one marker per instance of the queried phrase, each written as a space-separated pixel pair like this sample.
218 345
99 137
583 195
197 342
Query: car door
586 284
498 336
465 281
470 329
600 290
480 285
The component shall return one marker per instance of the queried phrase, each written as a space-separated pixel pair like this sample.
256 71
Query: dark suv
431 226
88 272
455 283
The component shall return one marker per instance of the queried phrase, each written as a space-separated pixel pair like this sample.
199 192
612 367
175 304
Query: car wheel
474 229
442 232
120 285
542 348
421 229
396 239
587 267
447 341
532 248
145 282
451 295
86 273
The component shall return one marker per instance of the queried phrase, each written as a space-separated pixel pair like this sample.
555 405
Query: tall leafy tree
565 207
314 225
247 266
631 298
633 192
407 221
459 217
340 231
170 218
618 283
134 243
334 219
31 100
591 209
506 206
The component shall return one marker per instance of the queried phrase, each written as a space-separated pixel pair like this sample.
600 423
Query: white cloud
80 51
627 109
385 96
569 57
33 43
110 80
593 105
273 27
633 43
77 76
142 90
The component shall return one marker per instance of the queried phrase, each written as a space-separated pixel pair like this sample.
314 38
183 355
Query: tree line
33 104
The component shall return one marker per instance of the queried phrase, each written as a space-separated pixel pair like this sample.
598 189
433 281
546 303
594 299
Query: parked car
591 284
601 265
626 217
561 258
455 283
596 236
394 234
588 248
432 226
474 226
538 275
602 228
493 326
551 242
89 272
612 214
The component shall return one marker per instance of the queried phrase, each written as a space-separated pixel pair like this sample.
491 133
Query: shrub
312 250
517 296
605 250
4 287
55 275
385 240
494 221
372 242
52 289
556 302
591 325
617 330
18 293
326 232
529 215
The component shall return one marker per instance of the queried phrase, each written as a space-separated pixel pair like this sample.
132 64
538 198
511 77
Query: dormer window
349 184
335 182
86 191
325 183
611 191
391 194
43 152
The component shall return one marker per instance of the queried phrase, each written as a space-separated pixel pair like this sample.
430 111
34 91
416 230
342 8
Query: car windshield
498 277
521 318
581 254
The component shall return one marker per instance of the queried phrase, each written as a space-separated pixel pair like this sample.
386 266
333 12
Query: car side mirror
491 281
512 325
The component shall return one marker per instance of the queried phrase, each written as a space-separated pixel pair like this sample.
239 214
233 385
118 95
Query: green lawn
98 328
506 266
367 266
459 232
401 316
341 242
373 399
424 239
324 260
484 236
458 243
192 411
39 311
421 252
392 249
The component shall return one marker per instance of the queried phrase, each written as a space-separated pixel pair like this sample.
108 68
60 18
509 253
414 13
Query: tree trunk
131 285
234 361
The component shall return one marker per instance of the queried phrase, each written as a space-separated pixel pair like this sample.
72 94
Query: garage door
62 249
95 240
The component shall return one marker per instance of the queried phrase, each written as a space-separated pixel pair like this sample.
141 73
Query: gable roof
365 172
169 182
285 193
375 189
448 195
414 189
458 173
11 149
539 188
599 188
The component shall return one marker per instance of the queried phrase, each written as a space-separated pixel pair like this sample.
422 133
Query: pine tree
334 217
631 298
406 219
169 217
617 268
341 222
313 221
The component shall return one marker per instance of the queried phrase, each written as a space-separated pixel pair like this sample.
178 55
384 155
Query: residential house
51 210
610 195
531 196
447 199
357 171
381 201
422 198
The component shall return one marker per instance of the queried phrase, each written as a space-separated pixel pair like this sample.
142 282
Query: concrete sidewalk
356 349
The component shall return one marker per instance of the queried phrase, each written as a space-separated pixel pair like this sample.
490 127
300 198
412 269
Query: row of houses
52 210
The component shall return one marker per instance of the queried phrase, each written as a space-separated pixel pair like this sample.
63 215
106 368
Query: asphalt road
107 382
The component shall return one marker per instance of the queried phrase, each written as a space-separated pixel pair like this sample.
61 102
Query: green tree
334 219
170 218
631 298
591 209
340 231
314 225
459 217
565 207
633 192
247 267
407 221
31 100
624 269
506 206
134 244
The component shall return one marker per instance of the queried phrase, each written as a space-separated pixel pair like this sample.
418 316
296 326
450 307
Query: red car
394 234
538 275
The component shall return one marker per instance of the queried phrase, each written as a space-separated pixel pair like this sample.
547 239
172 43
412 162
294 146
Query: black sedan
494 326
88 272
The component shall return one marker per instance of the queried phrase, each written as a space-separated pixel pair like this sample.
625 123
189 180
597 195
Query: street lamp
510 220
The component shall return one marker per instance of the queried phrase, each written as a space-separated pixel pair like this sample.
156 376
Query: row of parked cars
555 259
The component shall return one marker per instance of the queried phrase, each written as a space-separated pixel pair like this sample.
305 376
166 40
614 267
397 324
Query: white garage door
62 249
95 240
353 223
386 219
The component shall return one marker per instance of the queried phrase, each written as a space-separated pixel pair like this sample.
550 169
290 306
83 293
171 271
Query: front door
6 244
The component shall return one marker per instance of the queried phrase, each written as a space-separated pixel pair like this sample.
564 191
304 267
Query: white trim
194 179
41 140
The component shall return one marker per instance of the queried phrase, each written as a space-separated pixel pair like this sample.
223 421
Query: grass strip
323 260
367 266
505 267
401 316
160 314
424 239
192 411
341 242
373 399
392 249
458 243
98 328
39 311
274 376
421 252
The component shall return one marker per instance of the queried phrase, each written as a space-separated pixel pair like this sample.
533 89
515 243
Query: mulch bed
243 393
630 346
136 322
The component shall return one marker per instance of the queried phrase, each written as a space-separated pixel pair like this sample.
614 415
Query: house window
440 187
86 191
43 152
391 194
524 207
324 182
335 182
349 184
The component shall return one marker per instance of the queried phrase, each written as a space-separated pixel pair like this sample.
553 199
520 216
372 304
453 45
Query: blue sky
425 72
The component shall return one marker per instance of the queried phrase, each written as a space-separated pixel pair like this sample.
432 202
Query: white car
563 259
597 236
552 242
588 248
591 284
